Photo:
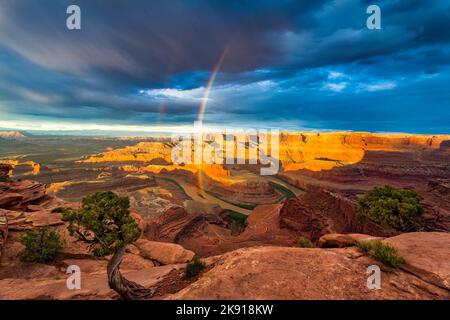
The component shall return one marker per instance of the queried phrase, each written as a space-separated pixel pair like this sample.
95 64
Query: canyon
243 225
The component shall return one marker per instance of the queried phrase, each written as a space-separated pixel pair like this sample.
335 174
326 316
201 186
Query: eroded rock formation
24 168
26 205
318 212
338 240
5 170
164 252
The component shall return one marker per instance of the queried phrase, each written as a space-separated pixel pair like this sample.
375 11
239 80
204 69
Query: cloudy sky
140 66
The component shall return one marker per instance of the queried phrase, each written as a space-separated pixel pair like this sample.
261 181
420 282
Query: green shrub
382 252
146 255
238 222
41 245
397 208
237 216
303 242
194 267
365 246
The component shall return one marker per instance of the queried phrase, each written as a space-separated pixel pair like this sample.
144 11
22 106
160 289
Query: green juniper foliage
304 242
104 222
382 252
238 222
41 245
146 256
397 208
194 267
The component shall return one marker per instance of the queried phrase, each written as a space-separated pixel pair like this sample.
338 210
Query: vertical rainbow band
212 78
201 112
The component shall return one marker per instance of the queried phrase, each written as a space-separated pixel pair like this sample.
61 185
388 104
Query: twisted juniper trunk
127 289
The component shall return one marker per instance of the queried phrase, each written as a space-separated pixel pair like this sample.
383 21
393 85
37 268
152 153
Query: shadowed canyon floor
241 224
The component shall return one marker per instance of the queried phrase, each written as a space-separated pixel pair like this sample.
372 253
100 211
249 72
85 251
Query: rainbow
201 112
212 78
162 110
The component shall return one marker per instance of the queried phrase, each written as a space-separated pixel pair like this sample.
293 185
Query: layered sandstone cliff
312 151
25 167
324 151
158 152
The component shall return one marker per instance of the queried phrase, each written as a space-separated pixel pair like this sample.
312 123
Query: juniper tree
105 224
398 208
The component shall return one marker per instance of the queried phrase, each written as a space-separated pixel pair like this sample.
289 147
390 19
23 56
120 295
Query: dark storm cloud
147 41
300 63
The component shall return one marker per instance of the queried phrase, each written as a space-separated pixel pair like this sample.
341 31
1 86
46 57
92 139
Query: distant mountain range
12 135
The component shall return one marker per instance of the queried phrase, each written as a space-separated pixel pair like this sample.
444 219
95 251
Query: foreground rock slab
333 240
93 286
164 252
299 273
427 255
